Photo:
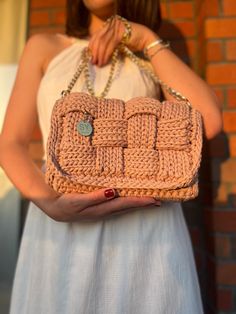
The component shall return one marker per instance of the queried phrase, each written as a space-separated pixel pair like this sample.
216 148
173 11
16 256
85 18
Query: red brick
186 29
200 17
214 51
218 147
221 221
228 171
58 17
198 5
233 189
232 146
224 299
223 170
47 4
222 247
201 62
52 29
229 119
219 245
183 48
221 197
220 94
220 28
231 97
218 74
212 7
229 7
191 46
231 50
226 273
164 10
181 10
39 18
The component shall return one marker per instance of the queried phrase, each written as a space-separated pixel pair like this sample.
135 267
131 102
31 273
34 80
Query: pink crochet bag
143 147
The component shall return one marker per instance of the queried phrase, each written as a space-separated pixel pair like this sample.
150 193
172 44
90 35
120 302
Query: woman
77 254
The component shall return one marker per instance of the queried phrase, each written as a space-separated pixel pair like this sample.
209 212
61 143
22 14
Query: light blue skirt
135 263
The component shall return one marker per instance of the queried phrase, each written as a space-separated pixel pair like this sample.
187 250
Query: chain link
178 96
84 65
88 79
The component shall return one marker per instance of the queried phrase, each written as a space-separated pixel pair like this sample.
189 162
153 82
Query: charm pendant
84 127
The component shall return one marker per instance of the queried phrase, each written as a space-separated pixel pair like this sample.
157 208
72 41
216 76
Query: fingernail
109 193
157 203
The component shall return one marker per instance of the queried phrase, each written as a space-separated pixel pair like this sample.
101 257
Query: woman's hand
104 41
166 65
93 205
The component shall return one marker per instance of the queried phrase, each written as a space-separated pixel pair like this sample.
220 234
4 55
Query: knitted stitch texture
141 148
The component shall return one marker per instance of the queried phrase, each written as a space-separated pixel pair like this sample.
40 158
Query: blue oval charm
84 128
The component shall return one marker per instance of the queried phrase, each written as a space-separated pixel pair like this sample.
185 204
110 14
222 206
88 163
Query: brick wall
220 217
44 16
203 34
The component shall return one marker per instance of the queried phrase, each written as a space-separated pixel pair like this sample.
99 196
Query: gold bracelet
165 46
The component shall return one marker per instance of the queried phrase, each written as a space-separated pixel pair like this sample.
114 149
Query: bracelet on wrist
160 42
164 46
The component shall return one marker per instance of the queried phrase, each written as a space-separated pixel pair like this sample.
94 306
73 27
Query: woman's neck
96 23
98 17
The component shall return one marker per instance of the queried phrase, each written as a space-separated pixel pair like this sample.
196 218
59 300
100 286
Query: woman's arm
168 67
179 76
19 123
18 126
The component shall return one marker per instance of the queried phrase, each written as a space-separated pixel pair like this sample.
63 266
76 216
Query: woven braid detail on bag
142 147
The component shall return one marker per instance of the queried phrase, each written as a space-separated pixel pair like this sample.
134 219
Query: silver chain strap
75 77
178 96
127 52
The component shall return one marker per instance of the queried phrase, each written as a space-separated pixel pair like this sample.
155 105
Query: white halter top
128 82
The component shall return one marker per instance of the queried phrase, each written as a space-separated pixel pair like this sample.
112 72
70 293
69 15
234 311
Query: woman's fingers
103 43
113 40
119 204
93 205
82 201
106 48
95 42
93 47
127 210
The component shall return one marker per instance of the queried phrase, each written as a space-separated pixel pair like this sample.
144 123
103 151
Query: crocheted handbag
142 147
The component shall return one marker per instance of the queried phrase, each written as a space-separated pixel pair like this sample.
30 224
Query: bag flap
142 143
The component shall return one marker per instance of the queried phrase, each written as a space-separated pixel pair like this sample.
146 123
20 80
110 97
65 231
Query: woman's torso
128 81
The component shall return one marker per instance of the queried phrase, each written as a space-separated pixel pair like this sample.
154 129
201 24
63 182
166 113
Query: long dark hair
146 12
